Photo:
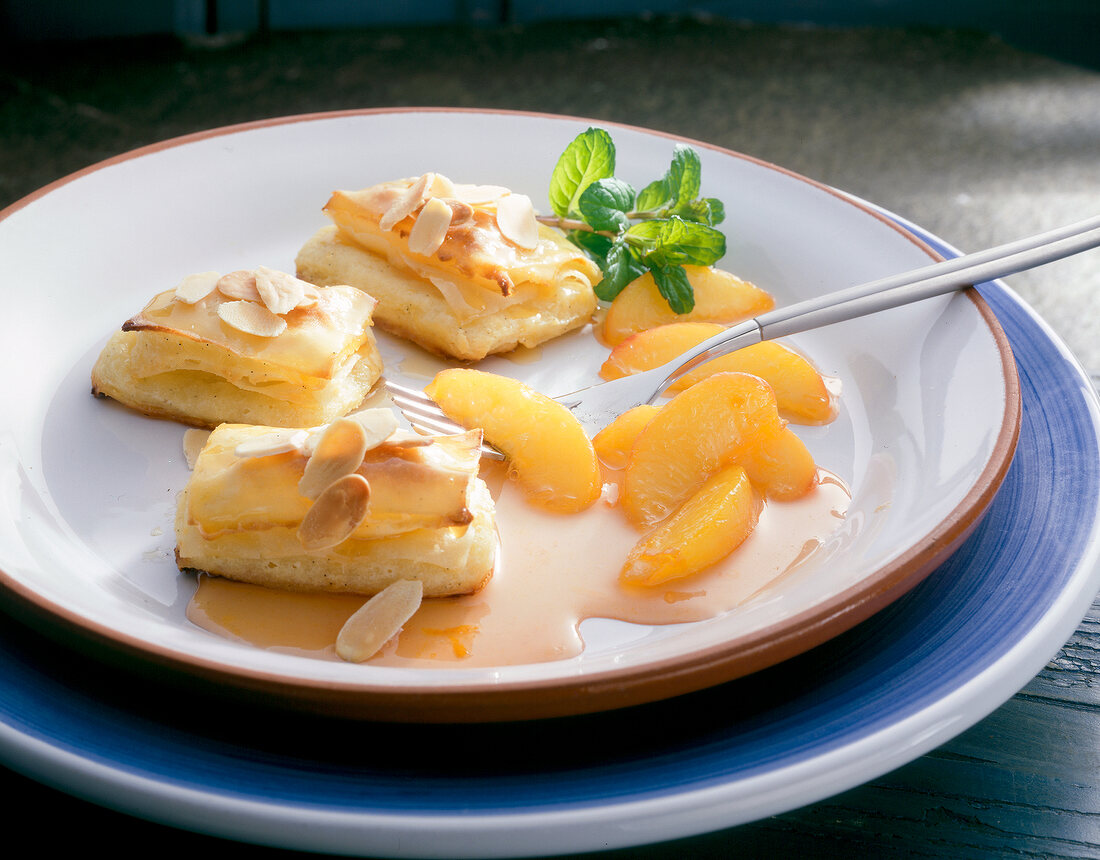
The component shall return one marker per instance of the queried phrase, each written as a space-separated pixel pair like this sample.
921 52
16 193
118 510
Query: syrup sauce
553 571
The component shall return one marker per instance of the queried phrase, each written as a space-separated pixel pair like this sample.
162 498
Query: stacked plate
967 434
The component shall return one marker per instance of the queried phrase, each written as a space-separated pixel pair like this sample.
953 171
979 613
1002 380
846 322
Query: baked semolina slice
406 508
464 271
255 347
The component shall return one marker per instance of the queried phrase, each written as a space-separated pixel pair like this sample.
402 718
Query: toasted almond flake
268 444
379 424
336 514
378 620
310 295
475 194
194 440
251 318
461 212
338 452
281 293
195 288
516 220
240 284
408 439
430 228
441 186
313 434
407 203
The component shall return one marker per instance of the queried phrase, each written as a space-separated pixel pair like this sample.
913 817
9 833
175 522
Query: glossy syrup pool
553 571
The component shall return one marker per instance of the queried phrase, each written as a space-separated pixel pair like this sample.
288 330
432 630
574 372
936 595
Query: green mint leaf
684 177
676 242
716 212
645 236
699 244
681 242
604 204
653 196
673 284
589 157
596 245
622 267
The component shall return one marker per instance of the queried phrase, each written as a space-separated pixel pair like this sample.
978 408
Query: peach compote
548 453
614 442
711 524
726 418
694 471
719 297
800 390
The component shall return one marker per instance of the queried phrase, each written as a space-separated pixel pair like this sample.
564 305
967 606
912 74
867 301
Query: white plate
929 415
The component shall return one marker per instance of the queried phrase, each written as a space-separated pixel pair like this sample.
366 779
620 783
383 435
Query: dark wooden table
973 140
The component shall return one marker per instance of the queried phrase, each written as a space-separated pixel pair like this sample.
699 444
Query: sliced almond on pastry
269 444
378 620
336 514
240 284
310 295
195 288
407 203
475 194
379 425
407 439
516 220
338 452
281 293
441 186
430 228
194 440
251 318
461 212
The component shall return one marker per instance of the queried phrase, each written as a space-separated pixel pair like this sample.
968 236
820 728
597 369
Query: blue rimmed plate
901 683
912 676
928 420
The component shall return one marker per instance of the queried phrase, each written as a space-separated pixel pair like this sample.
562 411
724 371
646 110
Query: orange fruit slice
719 297
800 390
778 463
711 524
614 442
726 418
548 452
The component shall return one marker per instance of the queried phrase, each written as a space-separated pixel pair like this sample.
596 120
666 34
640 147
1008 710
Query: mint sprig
659 229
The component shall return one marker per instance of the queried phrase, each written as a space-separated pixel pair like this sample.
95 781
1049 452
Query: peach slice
800 390
711 524
614 442
719 297
726 418
778 463
548 452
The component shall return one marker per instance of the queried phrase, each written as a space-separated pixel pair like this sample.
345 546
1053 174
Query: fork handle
933 280
894 291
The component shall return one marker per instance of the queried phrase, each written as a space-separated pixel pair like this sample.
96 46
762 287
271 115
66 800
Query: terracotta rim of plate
590 692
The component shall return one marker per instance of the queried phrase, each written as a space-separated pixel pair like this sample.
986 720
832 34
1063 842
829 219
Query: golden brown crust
448 562
204 400
412 308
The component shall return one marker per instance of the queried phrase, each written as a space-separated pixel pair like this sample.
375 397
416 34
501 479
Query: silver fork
598 405
424 416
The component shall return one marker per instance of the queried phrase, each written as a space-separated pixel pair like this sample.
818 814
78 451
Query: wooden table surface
972 139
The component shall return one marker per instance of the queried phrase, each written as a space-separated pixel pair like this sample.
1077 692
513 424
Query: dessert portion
464 271
353 506
256 347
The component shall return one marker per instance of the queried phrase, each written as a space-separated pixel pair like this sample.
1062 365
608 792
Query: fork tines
426 417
